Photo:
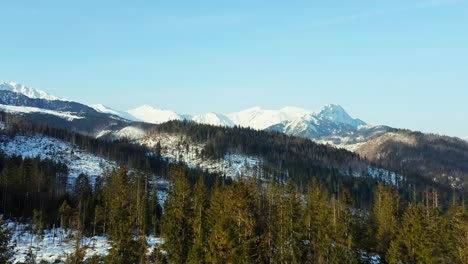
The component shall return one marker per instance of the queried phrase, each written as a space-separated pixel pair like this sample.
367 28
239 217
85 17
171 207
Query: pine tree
177 229
220 246
318 217
458 230
122 220
415 243
387 207
197 253
290 226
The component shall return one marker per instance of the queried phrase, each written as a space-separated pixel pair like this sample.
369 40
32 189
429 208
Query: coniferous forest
318 216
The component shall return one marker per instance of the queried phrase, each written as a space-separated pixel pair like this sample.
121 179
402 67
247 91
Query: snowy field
55 248
78 161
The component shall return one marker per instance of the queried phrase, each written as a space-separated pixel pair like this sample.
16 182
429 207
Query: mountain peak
337 114
27 91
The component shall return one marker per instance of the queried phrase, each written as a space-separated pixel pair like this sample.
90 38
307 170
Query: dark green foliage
177 228
122 219
199 223
386 214
27 184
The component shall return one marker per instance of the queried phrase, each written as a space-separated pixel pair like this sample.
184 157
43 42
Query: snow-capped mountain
213 119
258 118
27 91
153 115
331 124
40 107
336 114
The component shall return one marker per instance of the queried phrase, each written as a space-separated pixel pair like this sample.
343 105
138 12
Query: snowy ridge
258 118
27 91
153 115
27 110
213 119
45 147
107 110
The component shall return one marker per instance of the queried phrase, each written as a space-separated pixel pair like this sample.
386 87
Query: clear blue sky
402 63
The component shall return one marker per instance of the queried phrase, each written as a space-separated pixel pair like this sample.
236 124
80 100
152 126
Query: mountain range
438 158
332 124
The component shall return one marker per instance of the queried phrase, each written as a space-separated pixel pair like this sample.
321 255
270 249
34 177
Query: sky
402 63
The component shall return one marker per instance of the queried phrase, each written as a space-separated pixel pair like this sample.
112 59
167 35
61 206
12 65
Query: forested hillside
427 156
316 203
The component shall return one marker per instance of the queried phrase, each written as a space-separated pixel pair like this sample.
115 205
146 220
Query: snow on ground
55 246
78 161
25 109
174 148
386 176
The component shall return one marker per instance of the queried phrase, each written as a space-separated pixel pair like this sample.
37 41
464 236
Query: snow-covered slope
177 148
107 110
153 115
28 91
78 161
28 110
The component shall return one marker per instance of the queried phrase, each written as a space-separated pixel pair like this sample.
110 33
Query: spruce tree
177 226
386 211
318 217
197 253
122 220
